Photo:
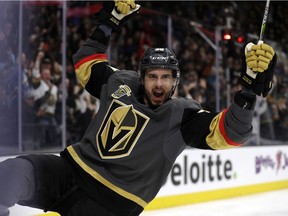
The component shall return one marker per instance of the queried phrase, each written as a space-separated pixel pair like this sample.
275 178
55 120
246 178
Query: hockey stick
263 26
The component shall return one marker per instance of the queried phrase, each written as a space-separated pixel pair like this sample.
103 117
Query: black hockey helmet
159 58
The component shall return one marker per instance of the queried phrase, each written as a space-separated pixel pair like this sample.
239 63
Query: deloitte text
209 169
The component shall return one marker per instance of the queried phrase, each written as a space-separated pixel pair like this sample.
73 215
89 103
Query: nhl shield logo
120 130
121 91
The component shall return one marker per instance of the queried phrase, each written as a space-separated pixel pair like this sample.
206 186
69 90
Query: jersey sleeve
91 65
229 128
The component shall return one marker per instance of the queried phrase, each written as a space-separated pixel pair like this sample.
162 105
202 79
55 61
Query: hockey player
129 148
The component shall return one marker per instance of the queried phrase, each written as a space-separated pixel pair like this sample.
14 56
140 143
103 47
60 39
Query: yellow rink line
185 199
48 214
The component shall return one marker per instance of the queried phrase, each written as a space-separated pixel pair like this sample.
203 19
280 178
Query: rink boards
202 175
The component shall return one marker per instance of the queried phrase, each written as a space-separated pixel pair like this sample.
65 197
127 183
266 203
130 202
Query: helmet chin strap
173 88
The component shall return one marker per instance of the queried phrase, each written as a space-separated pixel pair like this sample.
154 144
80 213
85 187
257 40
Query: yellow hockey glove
116 13
124 6
258 66
259 57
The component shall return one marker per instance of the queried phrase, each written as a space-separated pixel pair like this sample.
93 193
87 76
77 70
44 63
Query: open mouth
158 95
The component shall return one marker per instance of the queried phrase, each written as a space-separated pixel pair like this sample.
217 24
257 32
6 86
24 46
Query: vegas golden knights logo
120 130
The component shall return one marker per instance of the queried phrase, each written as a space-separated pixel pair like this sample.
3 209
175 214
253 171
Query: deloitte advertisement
204 170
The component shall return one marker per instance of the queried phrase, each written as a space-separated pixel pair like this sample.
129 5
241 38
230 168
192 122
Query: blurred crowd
43 87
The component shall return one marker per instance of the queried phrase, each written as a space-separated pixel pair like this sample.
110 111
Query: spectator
45 96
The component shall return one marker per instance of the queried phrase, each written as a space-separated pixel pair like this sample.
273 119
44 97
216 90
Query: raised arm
233 126
90 61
